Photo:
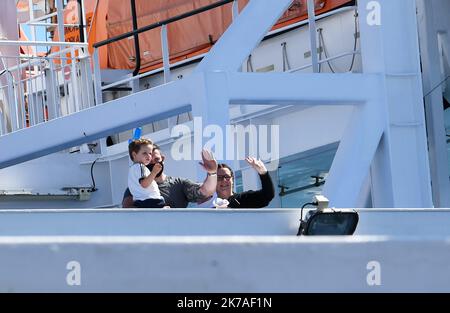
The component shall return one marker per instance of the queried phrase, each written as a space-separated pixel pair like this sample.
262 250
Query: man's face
156 156
224 183
144 155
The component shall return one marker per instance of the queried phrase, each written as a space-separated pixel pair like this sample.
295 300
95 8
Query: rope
286 65
325 50
249 64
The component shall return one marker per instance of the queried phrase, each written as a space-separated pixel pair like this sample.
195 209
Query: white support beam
401 160
210 102
235 9
434 103
243 35
95 123
356 151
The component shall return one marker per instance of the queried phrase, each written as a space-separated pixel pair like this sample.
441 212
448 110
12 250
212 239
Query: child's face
144 155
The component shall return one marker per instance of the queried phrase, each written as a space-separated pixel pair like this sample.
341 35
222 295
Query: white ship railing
42 88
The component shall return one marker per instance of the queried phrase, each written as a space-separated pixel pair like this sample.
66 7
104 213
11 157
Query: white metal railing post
234 15
313 35
62 38
84 81
30 95
38 103
21 100
2 131
60 18
22 122
97 78
2 117
165 53
89 82
430 36
12 102
43 89
56 107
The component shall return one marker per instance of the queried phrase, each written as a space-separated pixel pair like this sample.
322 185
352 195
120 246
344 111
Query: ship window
302 176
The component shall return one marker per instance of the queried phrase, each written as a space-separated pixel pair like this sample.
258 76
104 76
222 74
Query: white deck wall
44 250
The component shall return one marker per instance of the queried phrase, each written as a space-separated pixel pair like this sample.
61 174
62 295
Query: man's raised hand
208 163
258 165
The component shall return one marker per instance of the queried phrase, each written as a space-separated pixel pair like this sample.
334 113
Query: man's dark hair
156 147
223 165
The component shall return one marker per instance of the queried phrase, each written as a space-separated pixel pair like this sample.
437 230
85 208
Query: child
141 181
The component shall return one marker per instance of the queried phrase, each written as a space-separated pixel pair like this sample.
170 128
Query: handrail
304 22
49 24
270 34
37 59
325 60
42 43
161 23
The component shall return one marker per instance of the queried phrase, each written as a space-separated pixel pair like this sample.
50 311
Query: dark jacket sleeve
268 189
255 199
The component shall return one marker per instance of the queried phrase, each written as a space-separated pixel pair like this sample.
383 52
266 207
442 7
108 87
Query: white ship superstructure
364 122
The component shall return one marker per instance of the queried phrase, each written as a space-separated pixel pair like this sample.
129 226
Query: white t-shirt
212 203
137 172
